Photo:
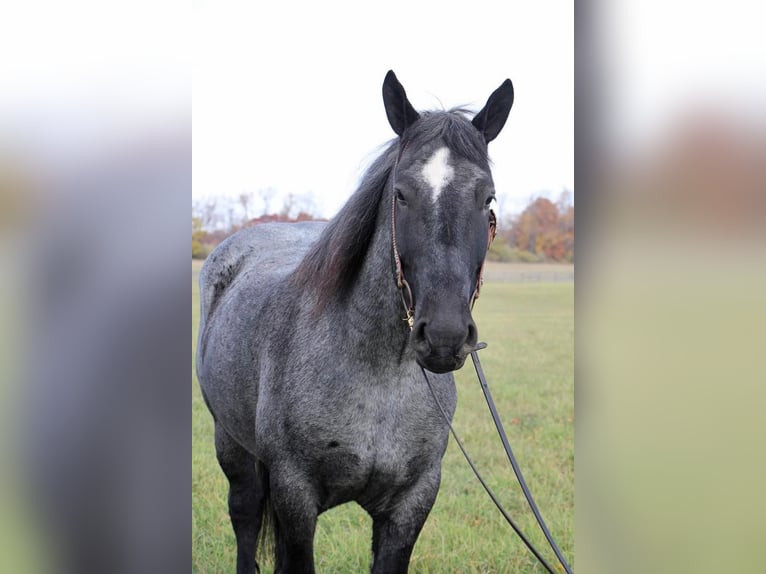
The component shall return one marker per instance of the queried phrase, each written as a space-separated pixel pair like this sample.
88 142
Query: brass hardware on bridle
404 287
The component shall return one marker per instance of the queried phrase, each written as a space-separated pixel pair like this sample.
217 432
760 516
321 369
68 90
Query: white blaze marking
438 172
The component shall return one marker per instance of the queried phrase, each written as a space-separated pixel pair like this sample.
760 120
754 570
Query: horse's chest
382 441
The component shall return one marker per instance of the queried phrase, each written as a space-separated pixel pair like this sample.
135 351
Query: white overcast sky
663 60
288 95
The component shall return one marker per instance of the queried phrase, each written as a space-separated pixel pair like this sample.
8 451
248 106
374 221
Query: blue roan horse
311 374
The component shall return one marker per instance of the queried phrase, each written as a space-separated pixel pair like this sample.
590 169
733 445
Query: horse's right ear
399 110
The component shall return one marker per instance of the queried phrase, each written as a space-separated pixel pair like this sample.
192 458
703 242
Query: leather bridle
401 282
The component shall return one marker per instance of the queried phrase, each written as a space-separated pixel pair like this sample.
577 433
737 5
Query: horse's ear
399 110
491 119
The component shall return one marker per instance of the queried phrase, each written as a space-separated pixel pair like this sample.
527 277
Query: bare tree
246 200
307 204
232 224
289 204
267 195
564 201
210 213
502 200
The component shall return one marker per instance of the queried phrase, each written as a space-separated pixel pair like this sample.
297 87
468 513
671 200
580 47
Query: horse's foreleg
247 493
295 518
396 529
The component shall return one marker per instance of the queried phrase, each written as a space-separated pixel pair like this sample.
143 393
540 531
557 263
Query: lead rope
512 458
501 430
402 284
481 480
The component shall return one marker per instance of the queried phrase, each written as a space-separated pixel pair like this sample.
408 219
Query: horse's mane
333 262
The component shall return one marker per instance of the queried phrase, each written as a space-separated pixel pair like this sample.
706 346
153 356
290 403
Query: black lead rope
512 458
514 465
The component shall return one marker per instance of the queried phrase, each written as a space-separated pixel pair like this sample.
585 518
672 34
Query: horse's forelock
454 129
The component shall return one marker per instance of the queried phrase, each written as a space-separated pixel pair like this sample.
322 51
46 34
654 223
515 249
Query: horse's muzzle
440 349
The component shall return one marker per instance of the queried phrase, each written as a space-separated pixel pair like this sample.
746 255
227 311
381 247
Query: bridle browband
404 287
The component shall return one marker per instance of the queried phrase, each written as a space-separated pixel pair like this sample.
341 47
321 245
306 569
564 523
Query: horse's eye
400 197
489 200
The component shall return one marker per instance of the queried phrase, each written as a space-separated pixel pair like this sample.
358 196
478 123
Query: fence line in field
497 274
504 273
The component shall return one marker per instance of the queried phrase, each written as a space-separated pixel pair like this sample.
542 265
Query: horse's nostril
419 331
435 338
473 334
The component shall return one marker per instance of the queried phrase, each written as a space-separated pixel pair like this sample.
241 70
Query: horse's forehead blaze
443 170
438 172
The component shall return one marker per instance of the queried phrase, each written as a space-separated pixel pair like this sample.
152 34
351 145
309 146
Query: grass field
530 367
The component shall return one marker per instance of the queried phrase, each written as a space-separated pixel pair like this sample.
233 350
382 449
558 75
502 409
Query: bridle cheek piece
490 238
404 287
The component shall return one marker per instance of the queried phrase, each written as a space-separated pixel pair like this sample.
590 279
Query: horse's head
441 191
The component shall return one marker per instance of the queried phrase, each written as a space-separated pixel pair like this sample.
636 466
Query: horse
313 335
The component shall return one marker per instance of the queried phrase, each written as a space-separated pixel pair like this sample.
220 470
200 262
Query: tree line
542 231
215 218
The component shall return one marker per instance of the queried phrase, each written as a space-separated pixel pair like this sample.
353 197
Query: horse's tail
267 534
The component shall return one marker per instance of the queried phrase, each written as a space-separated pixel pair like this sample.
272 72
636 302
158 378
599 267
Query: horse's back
264 253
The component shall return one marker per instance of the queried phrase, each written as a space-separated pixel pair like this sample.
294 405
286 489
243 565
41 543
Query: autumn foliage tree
199 250
544 229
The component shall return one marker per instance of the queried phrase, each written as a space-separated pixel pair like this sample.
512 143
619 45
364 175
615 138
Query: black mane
332 264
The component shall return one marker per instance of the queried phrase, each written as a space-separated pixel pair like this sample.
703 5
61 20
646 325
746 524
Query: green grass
530 367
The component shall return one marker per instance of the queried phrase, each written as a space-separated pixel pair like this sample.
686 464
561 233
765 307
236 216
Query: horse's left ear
491 119
399 110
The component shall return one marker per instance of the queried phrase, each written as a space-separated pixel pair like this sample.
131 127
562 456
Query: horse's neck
374 304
